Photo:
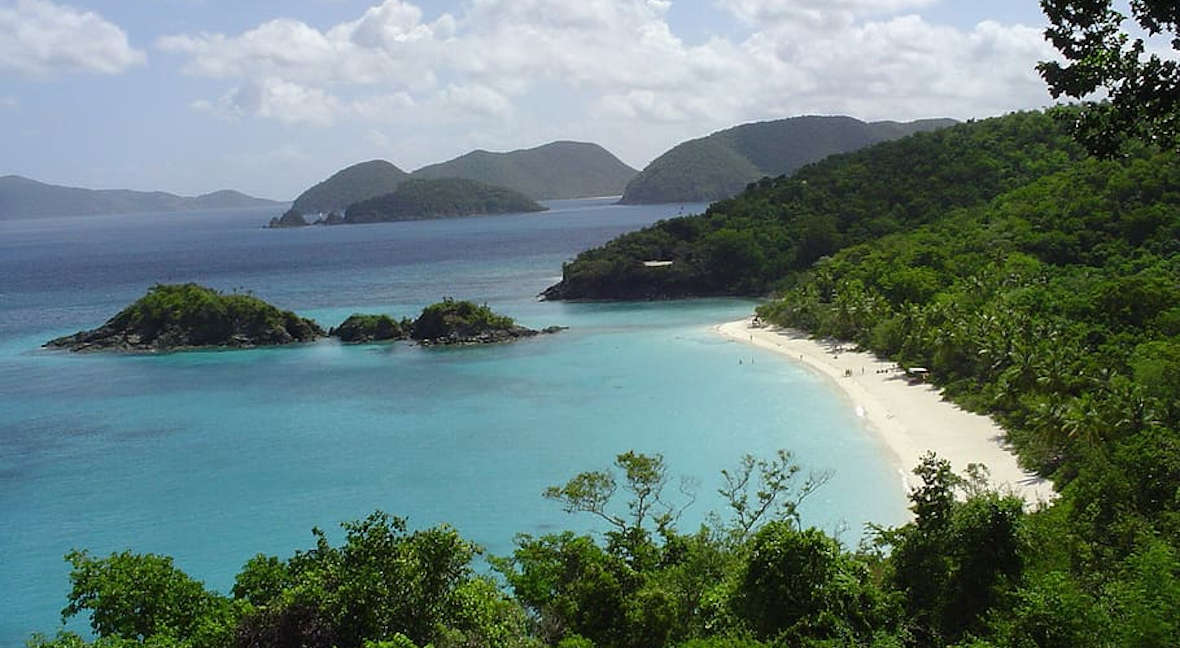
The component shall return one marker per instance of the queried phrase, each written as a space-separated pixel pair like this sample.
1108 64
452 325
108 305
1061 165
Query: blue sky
269 97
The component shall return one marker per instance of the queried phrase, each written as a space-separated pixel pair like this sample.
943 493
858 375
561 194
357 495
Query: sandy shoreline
910 419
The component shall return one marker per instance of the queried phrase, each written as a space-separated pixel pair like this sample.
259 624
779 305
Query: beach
910 418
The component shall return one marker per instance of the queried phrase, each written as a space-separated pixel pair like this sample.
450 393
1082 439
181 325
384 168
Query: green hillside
747 244
445 198
25 198
722 164
552 171
347 186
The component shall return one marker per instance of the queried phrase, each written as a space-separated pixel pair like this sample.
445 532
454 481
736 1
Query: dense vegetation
445 198
1140 84
554 170
464 322
972 570
722 164
371 328
25 198
347 186
748 244
176 316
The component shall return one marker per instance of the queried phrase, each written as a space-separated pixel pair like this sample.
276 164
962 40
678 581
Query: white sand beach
911 419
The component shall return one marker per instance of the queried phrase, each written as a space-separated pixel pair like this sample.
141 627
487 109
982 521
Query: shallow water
212 457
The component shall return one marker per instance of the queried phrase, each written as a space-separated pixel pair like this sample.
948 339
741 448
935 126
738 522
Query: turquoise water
212 457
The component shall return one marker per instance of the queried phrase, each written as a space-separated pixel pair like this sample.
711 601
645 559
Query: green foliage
443 198
955 563
748 244
1142 90
137 596
722 164
262 580
457 319
371 328
189 315
799 584
762 490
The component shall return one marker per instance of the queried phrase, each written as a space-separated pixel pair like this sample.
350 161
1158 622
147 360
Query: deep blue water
212 457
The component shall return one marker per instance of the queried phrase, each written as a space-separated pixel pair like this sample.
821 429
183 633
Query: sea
212 457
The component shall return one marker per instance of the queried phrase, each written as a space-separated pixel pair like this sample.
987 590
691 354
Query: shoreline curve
909 419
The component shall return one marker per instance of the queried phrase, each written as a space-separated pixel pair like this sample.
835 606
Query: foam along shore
910 419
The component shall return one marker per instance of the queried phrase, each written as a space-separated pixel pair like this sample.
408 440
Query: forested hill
552 171
443 198
24 198
720 165
347 186
745 245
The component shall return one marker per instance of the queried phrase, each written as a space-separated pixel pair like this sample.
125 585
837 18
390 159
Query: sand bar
911 419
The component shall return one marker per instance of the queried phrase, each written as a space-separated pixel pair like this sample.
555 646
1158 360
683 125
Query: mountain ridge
22 197
556 170
721 164
349 185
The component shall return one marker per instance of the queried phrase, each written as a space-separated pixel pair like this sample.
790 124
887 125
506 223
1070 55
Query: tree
804 583
775 496
645 478
1143 90
138 596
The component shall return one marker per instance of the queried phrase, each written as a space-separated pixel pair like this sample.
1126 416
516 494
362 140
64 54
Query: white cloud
500 63
9 102
816 13
41 38
289 103
388 44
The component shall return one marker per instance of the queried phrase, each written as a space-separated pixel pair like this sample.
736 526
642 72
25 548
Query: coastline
909 419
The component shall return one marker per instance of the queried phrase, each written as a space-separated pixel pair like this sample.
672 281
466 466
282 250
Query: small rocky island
190 316
448 322
421 200
360 328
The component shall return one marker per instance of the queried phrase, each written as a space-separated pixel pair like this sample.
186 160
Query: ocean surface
213 457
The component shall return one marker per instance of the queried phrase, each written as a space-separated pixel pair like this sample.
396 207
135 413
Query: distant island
24 198
557 170
722 164
349 185
190 316
444 198
421 200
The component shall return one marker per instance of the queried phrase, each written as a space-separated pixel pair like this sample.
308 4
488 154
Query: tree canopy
1142 86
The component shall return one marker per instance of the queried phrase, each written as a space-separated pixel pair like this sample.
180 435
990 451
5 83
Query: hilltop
25 198
552 171
722 164
444 198
747 244
349 185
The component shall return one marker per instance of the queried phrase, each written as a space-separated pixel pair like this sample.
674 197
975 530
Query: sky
269 96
